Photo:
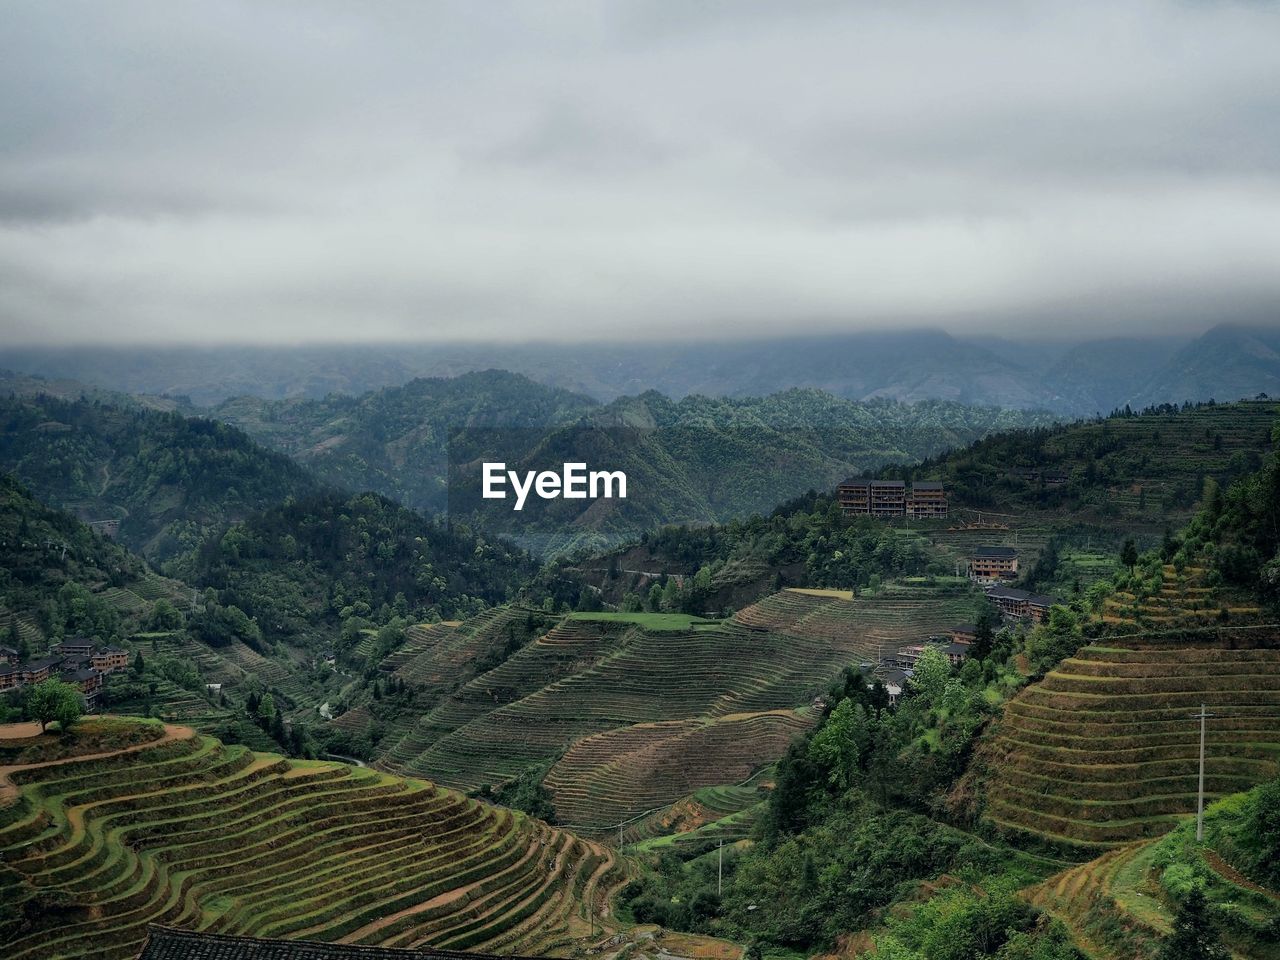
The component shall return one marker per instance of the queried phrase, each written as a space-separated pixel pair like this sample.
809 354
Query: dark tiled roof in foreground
166 943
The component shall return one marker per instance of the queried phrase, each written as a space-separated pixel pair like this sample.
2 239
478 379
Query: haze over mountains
1069 378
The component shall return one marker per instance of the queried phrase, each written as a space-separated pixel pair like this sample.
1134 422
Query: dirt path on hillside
1235 876
9 791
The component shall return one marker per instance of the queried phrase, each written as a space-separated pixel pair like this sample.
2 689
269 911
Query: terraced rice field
1183 598
435 655
1091 900
606 694
1104 752
712 814
616 776
192 833
1116 908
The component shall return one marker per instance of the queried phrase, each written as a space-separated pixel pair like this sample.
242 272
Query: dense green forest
303 569
48 564
395 441
168 479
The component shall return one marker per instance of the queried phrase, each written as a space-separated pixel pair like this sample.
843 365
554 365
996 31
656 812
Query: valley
611 736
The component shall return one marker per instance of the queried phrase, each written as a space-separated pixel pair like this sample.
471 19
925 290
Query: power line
1203 716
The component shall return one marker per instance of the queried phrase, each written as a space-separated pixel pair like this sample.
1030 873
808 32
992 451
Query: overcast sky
311 170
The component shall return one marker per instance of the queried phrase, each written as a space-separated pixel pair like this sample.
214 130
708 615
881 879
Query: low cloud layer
551 170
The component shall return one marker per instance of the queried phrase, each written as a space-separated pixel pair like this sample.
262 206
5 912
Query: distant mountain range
172 480
1068 378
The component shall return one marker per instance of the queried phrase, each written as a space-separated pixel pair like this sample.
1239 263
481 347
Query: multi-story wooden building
928 500
38 671
109 660
10 676
1020 604
890 498
992 564
75 647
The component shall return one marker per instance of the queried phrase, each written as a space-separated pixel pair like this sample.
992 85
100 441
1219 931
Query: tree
164 616
138 664
984 634
1261 834
929 679
266 709
841 742
54 700
1129 554
1194 936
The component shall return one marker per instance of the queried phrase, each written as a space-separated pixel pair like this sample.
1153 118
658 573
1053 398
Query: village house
964 633
9 655
38 671
76 661
109 659
889 498
928 500
1020 604
990 564
76 647
88 680
895 682
10 676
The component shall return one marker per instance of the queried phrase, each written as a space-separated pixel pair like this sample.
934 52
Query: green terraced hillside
188 832
610 695
1104 752
1121 905
1143 470
612 777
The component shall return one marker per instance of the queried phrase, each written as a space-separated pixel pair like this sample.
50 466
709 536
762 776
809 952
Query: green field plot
612 777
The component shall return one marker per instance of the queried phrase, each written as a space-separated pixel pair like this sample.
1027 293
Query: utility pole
1203 717
620 838
720 870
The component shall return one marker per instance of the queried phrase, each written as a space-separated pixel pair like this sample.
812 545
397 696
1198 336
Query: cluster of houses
1014 604
895 671
992 566
925 500
79 661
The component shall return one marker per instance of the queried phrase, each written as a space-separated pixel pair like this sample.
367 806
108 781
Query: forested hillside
395 441
697 460
49 565
1135 467
303 569
168 480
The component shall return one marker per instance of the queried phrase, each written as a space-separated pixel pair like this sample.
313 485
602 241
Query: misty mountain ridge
1070 379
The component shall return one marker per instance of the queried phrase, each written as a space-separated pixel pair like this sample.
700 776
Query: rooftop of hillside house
995 553
1013 593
